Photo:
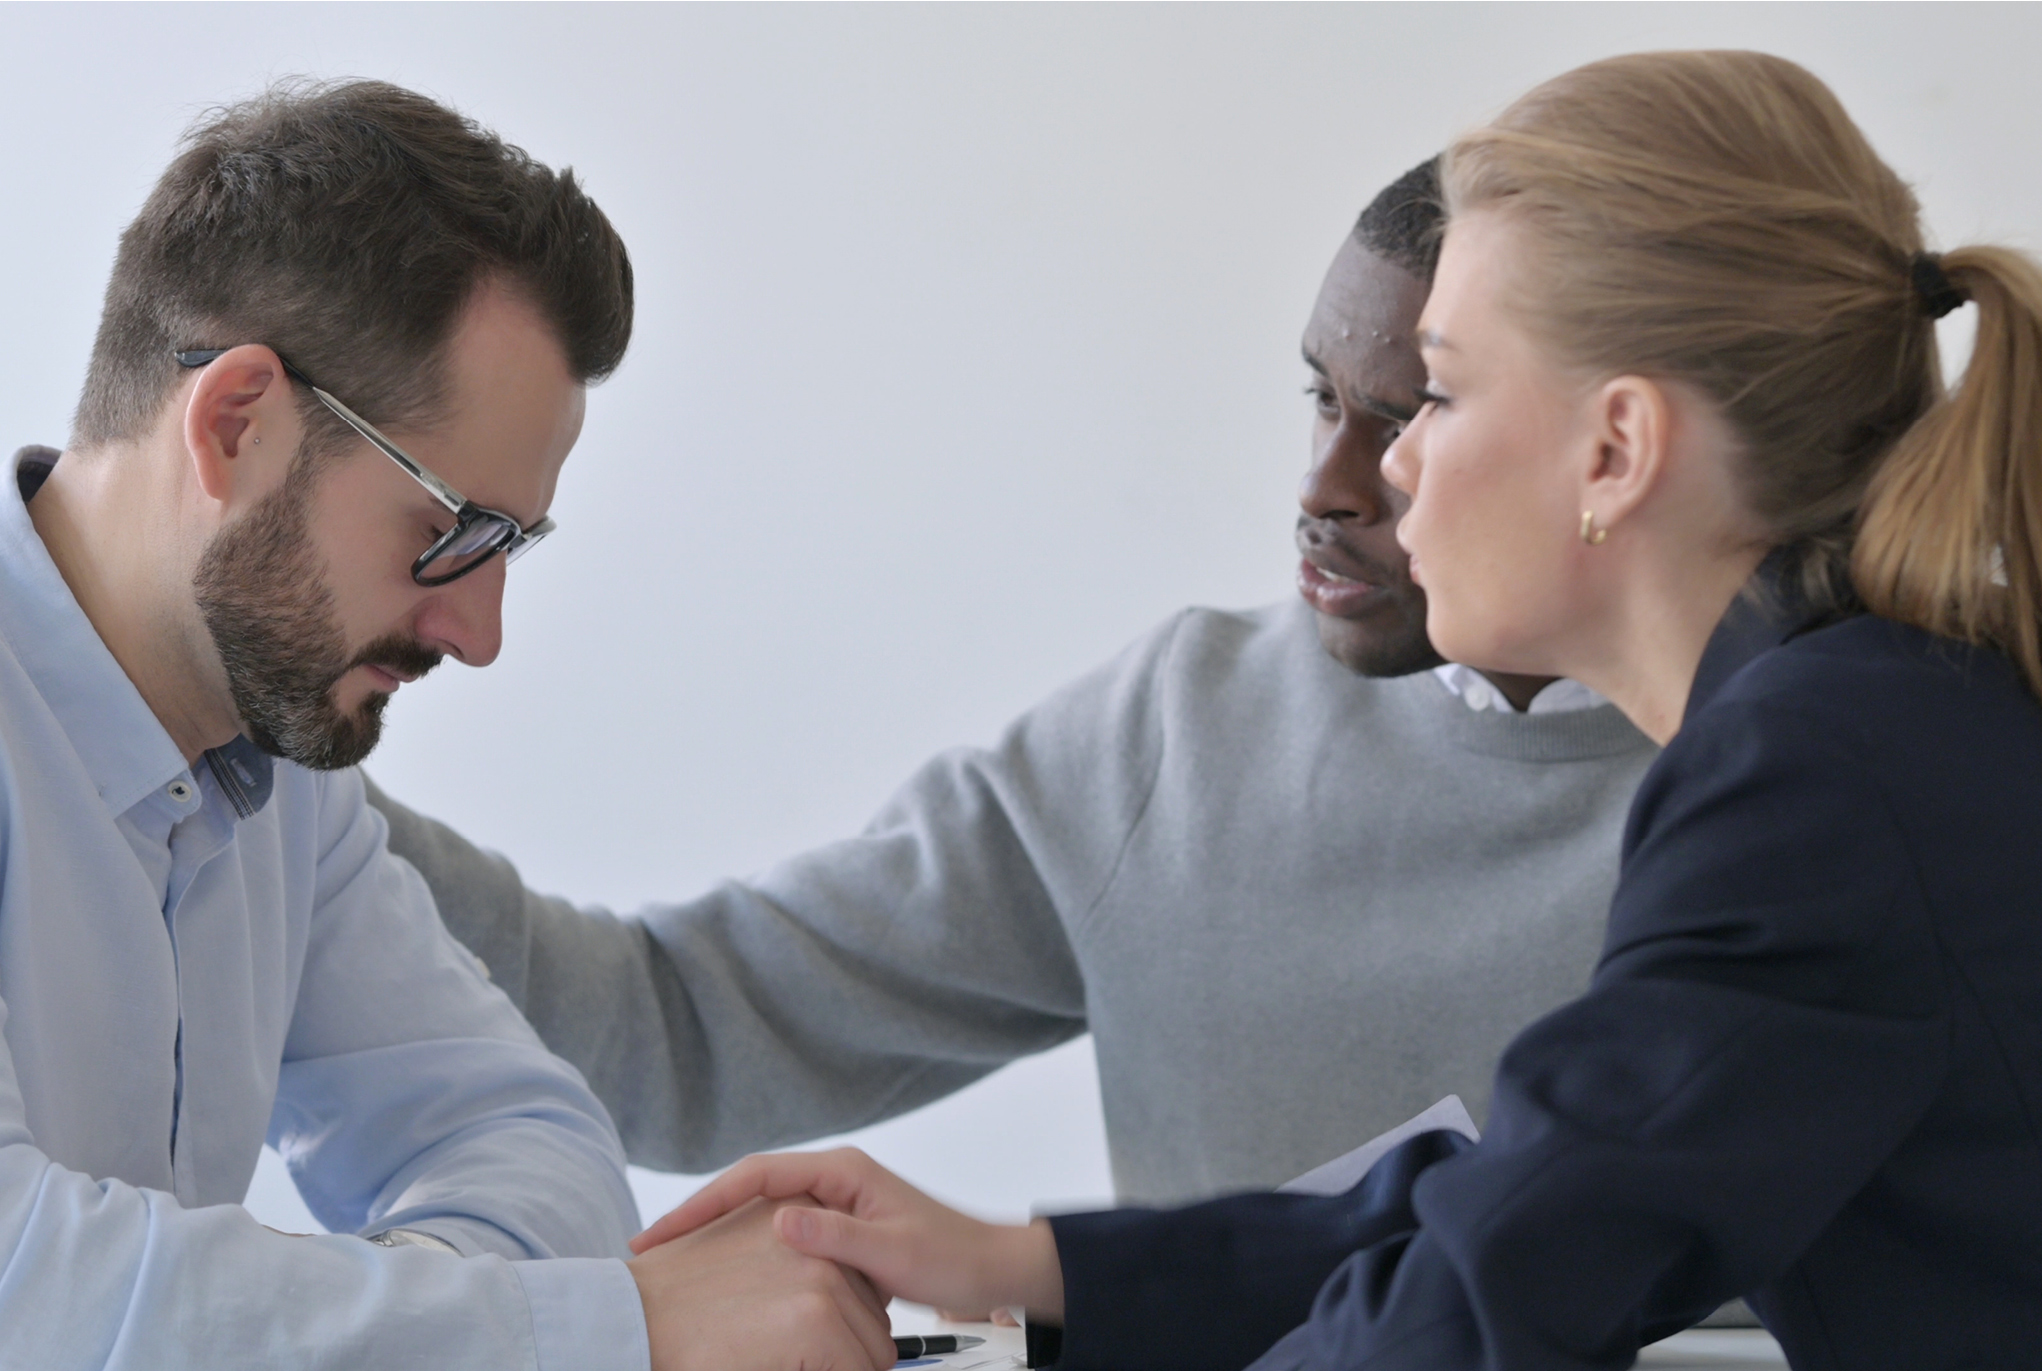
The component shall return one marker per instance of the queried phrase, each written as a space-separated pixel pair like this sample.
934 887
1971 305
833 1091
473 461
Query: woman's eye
1428 396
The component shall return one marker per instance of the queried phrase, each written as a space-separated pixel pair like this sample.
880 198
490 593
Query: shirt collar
246 774
1770 610
119 740
1478 693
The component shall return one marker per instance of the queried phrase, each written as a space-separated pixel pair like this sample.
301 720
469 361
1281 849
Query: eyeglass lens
475 541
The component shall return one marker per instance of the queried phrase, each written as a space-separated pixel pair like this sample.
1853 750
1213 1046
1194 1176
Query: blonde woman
1686 443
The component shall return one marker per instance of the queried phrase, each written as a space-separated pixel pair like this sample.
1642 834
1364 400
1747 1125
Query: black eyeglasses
479 532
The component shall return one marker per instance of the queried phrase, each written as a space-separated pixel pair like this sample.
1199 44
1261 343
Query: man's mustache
1323 533
399 654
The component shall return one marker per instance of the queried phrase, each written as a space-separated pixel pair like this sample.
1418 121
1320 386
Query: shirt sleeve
99 1275
855 982
1769 1021
413 1095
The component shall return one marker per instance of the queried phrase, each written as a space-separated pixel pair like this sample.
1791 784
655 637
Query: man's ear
1631 421
241 424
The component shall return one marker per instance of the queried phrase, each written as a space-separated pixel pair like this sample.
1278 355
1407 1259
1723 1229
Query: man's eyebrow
1374 404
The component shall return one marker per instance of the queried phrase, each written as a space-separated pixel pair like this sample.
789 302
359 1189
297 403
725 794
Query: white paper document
1340 1174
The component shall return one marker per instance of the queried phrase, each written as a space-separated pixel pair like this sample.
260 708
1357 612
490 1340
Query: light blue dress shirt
194 959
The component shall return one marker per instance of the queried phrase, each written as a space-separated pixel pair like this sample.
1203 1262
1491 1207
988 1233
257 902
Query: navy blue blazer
1808 1071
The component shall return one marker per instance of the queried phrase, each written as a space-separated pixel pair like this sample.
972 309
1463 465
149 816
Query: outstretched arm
413 1096
1205 1288
599 989
850 984
1765 1031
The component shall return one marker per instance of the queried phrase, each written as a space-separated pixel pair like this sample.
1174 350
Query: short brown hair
346 225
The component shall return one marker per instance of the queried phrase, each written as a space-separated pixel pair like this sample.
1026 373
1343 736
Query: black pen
935 1345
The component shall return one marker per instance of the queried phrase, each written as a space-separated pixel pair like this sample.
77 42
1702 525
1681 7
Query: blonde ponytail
1950 536
1716 218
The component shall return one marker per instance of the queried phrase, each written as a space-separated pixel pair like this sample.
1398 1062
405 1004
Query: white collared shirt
195 957
1478 693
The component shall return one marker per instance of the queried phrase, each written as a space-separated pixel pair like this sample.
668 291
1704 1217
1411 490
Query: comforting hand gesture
909 1245
731 1296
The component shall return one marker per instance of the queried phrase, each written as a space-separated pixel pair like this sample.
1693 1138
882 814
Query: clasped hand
808 1248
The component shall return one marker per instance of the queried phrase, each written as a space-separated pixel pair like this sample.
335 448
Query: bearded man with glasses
206 601
262 601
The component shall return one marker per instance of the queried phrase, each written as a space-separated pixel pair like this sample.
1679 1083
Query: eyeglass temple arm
441 491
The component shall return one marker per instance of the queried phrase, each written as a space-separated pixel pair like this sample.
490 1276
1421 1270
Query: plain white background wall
966 351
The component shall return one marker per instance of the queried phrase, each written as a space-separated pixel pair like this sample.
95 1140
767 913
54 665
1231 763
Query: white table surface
1716 1347
1713 1349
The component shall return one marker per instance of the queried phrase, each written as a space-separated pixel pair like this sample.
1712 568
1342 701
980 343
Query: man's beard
272 621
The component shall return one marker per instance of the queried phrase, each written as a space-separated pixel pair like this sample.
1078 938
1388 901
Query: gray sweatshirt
1293 906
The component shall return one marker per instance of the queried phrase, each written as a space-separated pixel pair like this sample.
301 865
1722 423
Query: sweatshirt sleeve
852 983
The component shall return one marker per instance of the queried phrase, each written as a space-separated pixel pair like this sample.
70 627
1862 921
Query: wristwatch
411 1237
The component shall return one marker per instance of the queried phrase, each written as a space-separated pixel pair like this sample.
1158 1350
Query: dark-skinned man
1297 877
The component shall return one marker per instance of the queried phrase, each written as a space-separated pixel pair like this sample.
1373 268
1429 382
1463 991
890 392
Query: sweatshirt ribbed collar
1573 735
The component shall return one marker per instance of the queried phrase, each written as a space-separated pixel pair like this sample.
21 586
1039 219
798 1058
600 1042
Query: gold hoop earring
1590 534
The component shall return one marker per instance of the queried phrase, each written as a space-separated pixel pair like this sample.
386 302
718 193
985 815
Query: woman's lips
1333 594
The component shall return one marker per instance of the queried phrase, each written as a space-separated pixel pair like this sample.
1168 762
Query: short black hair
1403 224
346 224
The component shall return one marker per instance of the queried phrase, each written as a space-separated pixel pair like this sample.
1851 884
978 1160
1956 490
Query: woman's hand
732 1296
906 1243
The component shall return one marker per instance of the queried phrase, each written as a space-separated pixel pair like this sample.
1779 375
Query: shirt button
180 791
